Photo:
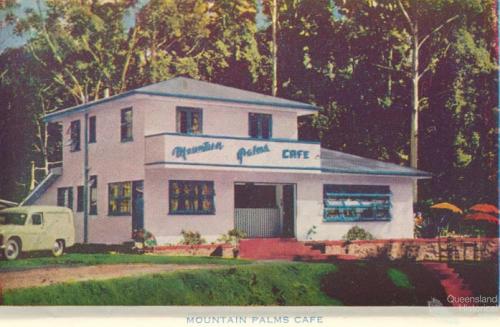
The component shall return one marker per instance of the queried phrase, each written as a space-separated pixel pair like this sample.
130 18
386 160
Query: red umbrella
481 216
485 208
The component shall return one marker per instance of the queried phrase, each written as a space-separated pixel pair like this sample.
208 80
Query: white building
190 155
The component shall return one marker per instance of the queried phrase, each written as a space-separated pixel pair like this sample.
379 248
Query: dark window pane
93 195
75 135
126 124
92 129
260 126
79 199
189 120
65 197
255 196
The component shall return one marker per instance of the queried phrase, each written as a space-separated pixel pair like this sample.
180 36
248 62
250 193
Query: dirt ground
53 275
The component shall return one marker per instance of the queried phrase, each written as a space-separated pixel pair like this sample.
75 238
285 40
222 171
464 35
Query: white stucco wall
309 210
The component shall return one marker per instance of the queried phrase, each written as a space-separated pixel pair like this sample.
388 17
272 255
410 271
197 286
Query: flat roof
188 88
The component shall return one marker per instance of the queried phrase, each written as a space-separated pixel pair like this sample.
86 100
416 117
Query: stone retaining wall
439 249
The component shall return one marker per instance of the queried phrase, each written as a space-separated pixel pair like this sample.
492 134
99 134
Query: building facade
190 155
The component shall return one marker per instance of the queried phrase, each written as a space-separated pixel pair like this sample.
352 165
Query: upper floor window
189 120
75 135
356 202
260 126
65 197
92 129
126 125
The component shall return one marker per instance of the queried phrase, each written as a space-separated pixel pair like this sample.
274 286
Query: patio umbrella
485 208
481 216
447 206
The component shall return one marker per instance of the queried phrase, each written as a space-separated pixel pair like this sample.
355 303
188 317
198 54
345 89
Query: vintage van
31 228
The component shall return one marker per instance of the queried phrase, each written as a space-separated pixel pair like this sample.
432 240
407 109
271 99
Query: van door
34 233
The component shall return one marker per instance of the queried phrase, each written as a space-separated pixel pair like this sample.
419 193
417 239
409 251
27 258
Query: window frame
126 125
189 112
79 198
258 119
69 191
119 199
92 129
75 135
185 212
92 189
376 198
41 220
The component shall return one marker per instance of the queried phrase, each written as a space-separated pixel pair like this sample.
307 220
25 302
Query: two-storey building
190 155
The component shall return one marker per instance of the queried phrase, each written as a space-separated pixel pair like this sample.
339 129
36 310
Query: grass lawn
88 259
270 283
259 284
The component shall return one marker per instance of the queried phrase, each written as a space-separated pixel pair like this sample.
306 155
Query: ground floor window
191 197
120 198
65 197
93 195
356 202
79 199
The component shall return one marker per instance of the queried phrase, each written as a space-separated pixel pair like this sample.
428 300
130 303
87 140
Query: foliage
191 238
351 58
357 233
383 283
311 232
232 237
265 284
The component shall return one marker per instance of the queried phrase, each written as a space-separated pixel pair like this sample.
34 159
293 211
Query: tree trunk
275 48
414 109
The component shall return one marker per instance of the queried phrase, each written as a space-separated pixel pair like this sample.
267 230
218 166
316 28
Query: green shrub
191 238
357 233
232 237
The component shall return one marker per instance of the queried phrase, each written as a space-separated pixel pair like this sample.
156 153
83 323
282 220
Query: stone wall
439 249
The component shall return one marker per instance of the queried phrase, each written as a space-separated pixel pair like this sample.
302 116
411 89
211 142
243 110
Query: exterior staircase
42 187
284 249
451 281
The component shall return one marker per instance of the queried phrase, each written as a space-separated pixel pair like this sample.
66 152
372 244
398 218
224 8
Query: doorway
137 205
265 209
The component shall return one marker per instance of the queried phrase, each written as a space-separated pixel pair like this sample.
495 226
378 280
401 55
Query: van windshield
12 218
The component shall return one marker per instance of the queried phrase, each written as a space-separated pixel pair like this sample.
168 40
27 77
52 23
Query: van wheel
12 249
58 248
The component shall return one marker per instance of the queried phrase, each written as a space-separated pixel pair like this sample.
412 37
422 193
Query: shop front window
191 197
356 203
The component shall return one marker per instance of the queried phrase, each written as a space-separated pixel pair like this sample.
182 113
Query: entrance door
288 210
137 205
264 209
